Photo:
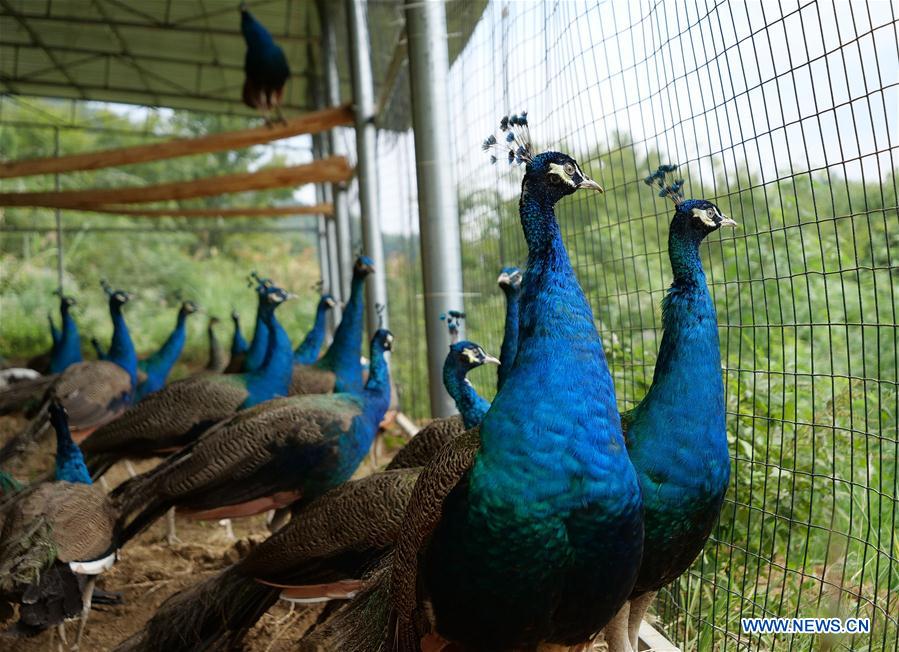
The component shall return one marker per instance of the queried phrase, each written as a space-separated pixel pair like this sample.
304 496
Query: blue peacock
178 413
676 435
529 529
509 281
266 70
307 351
155 370
67 348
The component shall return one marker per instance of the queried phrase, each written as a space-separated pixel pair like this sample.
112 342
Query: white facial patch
559 170
473 355
707 216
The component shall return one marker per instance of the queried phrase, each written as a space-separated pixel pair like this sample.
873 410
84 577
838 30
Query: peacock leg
616 632
170 536
87 594
229 529
63 644
130 468
639 607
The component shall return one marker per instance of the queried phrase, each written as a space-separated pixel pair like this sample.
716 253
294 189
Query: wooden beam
273 211
334 170
309 123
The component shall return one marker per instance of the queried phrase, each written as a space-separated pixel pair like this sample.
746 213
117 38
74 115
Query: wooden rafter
330 170
270 211
308 123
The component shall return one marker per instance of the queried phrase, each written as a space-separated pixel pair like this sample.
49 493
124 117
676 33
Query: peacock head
189 308
363 267
213 321
117 298
509 279
235 316
699 217
468 356
275 296
327 301
382 339
59 418
695 218
549 175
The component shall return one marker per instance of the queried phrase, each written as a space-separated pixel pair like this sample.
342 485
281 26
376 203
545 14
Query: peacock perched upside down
527 530
676 436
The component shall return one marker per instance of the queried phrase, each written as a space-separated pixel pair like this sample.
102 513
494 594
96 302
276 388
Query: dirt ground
149 570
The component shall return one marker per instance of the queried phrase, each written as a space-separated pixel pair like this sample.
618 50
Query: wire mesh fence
786 117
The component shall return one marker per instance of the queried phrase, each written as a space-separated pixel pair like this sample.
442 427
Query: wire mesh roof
182 54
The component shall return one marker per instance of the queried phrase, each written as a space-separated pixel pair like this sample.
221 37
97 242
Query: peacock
676 435
239 347
318 556
462 357
265 68
307 351
527 530
55 538
258 348
155 370
179 412
68 348
216 362
92 393
509 281
271 456
340 369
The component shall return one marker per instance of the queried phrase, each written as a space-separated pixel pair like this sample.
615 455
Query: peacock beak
590 184
489 359
726 221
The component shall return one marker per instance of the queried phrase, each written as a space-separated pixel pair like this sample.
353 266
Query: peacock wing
93 393
269 448
171 417
435 483
425 444
337 535
57 520
311 380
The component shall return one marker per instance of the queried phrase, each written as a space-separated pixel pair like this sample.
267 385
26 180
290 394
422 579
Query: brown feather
311 380
93 393
424 445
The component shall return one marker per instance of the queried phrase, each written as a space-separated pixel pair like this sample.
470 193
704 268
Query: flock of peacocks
536 522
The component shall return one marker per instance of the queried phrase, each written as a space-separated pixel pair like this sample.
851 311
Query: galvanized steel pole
329 280
438 211
366 165
340 235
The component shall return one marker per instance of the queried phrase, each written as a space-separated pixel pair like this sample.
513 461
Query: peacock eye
569 169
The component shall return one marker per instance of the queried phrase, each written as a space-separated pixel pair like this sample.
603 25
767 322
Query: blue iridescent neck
377 387
159 365
55 335
121 350
68 352
238 343
345 353
510 335
259 345
470 405
273 377
70 465
307 351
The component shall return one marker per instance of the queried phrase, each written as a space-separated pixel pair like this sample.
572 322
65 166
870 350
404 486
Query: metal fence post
330 281
340 235
366 143
438 210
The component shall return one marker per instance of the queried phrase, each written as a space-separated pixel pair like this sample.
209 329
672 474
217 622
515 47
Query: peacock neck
689 360
159 365
54 332
345 353
273 377
470 405
121 350
307 351
216 356
238 343
377 387
510 335
259 344
70 465
68 352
